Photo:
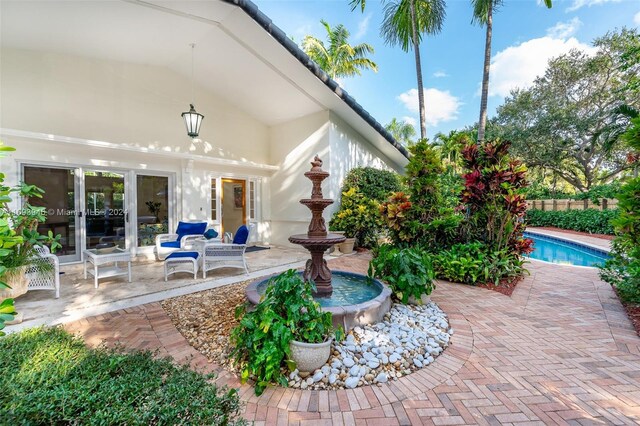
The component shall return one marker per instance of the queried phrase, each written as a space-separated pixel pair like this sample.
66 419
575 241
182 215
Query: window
252 200
214 200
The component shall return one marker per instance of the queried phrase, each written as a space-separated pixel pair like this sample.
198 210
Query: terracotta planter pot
310 356
17 279
347 246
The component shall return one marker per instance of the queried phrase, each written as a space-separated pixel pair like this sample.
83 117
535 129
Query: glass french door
60 201
105 212
152 208
233 200
92 208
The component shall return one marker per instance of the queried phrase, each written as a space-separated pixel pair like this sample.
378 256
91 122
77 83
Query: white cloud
577 4
518 66
410 120
563 30
440 105
440 74
636 18
363 27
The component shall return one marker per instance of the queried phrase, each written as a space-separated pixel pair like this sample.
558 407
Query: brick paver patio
560 350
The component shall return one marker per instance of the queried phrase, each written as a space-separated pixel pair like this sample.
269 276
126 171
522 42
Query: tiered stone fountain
317 240
353 299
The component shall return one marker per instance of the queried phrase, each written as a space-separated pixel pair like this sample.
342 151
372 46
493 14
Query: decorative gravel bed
409 338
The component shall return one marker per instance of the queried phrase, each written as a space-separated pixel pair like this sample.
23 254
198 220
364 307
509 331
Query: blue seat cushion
188 228
241 235
191 254
171 244
211 233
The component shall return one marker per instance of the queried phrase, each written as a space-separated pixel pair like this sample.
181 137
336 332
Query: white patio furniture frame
187 243
105 263
174 265
43 273
216 255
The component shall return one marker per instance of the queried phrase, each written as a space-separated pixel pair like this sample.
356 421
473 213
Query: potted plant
356 217
286 329
19 236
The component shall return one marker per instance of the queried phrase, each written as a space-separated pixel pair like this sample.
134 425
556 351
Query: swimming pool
556 250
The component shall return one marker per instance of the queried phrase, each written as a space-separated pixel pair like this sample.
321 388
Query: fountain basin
356 299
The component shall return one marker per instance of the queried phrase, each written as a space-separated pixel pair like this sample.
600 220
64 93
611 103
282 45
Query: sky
525 36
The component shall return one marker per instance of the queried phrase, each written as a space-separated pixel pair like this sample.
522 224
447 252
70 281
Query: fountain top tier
317 240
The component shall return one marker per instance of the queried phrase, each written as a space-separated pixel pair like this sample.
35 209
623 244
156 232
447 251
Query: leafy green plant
358 218
18 234
462 263
286 312
475 263
589 220
623 269
408 271
51 377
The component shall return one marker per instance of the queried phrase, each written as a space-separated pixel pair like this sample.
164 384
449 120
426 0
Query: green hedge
51 377
590 220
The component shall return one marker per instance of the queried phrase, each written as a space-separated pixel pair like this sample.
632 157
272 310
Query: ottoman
181 261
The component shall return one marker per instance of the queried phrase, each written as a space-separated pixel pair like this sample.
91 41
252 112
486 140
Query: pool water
562 252
348 289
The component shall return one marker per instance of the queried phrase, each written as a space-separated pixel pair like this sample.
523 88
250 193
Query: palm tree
483 15
450 147
401 131
404 23
339 59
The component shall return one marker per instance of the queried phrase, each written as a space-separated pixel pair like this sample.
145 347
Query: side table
105 263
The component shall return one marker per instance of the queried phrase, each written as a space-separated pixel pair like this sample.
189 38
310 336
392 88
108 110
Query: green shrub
51 377
474 263
420 217
408 271
286 312
358 217
623 269
372 183
590 220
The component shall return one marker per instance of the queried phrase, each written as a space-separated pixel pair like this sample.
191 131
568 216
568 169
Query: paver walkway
560 350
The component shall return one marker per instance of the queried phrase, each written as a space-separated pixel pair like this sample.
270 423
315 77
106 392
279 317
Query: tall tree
483 15
564 121
404 23
339 58
401 131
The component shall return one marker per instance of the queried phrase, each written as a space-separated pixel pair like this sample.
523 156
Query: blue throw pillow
211 233
241 235
190 228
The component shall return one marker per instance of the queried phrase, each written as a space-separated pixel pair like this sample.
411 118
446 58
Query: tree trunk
482 122
416 51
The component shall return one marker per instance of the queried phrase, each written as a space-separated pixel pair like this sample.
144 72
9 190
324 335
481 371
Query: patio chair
222 255
43 273
183 239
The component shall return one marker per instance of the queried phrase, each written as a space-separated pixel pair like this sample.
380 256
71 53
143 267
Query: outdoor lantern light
192 118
